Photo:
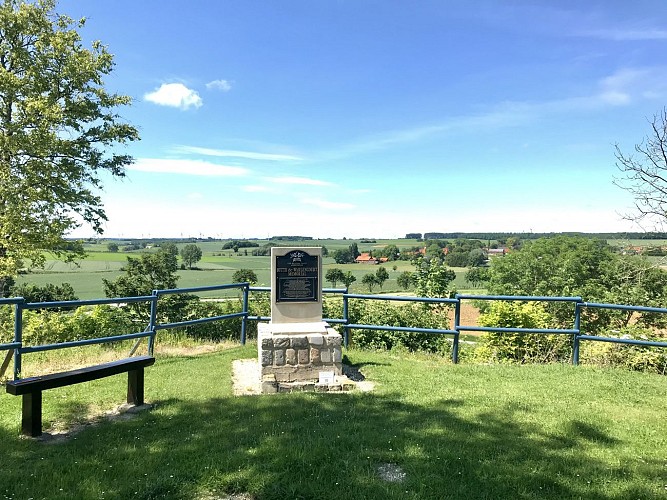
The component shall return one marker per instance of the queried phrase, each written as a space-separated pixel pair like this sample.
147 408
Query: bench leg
31 414
135 387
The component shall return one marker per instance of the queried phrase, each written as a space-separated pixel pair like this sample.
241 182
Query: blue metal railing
18 348
429 300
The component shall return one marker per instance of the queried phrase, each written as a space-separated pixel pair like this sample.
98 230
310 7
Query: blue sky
376 118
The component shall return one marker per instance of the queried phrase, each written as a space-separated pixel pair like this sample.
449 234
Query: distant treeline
290 238
534 236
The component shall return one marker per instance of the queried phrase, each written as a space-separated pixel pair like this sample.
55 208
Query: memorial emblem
297 277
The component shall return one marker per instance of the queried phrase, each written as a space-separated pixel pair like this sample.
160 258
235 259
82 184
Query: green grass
458 431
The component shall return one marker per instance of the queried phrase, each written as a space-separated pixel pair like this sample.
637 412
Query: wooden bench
31 388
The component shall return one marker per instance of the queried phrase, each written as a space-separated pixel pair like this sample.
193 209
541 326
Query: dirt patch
59 433
194 350
245 377
469 314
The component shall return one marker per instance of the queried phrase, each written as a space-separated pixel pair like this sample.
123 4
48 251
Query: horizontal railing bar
89 302
616 340
11 300
207 288
624 307
77 343
198 321
334 320
11 345
515 330
324 290
519 297
401 298
259 318
403 329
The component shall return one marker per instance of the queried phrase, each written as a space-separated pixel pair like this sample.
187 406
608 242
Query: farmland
216 267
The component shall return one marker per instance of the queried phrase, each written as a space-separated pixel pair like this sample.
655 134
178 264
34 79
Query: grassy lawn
456 431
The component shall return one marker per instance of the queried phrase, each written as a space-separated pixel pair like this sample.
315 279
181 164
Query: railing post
457 322
577 327
152 321
244 320
346 317
18 336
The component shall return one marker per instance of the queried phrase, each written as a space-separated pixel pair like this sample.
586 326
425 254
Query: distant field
216 267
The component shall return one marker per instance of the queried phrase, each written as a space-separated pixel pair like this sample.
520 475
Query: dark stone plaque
297 277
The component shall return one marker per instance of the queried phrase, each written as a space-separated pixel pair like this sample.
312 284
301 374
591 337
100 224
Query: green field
453 431
216 267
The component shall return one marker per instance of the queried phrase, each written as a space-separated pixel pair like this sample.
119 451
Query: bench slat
53 380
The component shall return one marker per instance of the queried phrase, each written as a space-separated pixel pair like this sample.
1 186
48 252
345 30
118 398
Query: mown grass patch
456 431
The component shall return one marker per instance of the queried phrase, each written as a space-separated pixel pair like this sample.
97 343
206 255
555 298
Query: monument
297 350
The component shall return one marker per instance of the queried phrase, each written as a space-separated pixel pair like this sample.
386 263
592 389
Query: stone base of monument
300 357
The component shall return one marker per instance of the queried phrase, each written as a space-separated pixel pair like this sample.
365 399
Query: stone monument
296 349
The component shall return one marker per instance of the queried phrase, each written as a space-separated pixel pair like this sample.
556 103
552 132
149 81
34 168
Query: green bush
49 327
652 359
383 313
521 347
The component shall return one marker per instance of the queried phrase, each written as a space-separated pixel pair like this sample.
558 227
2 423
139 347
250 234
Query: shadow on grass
319 446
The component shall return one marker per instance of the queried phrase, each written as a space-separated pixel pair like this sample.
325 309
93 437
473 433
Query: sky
365 118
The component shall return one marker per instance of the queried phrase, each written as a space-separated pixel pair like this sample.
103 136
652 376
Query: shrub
384 313
653 359
521 347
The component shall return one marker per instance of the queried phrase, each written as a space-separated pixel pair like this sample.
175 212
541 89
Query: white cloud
622 34
229 153
186 167
222 85
175 95
330 205
299 180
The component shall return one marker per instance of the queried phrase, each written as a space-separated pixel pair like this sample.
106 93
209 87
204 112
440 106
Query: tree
191 254
370 280
645 172
244 276
391 252
334 275
476 257
342 256
476 276
404 280
381 275
112 247
58 129
170 248
348 279
354 251
151 271
432 278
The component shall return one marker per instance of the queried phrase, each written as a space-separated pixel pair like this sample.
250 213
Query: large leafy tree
58 129
334 275
191 254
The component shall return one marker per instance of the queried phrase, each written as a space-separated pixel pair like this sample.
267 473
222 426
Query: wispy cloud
175 95
329 205
304 181
222 85
229 153
623 34
186 167
621 88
